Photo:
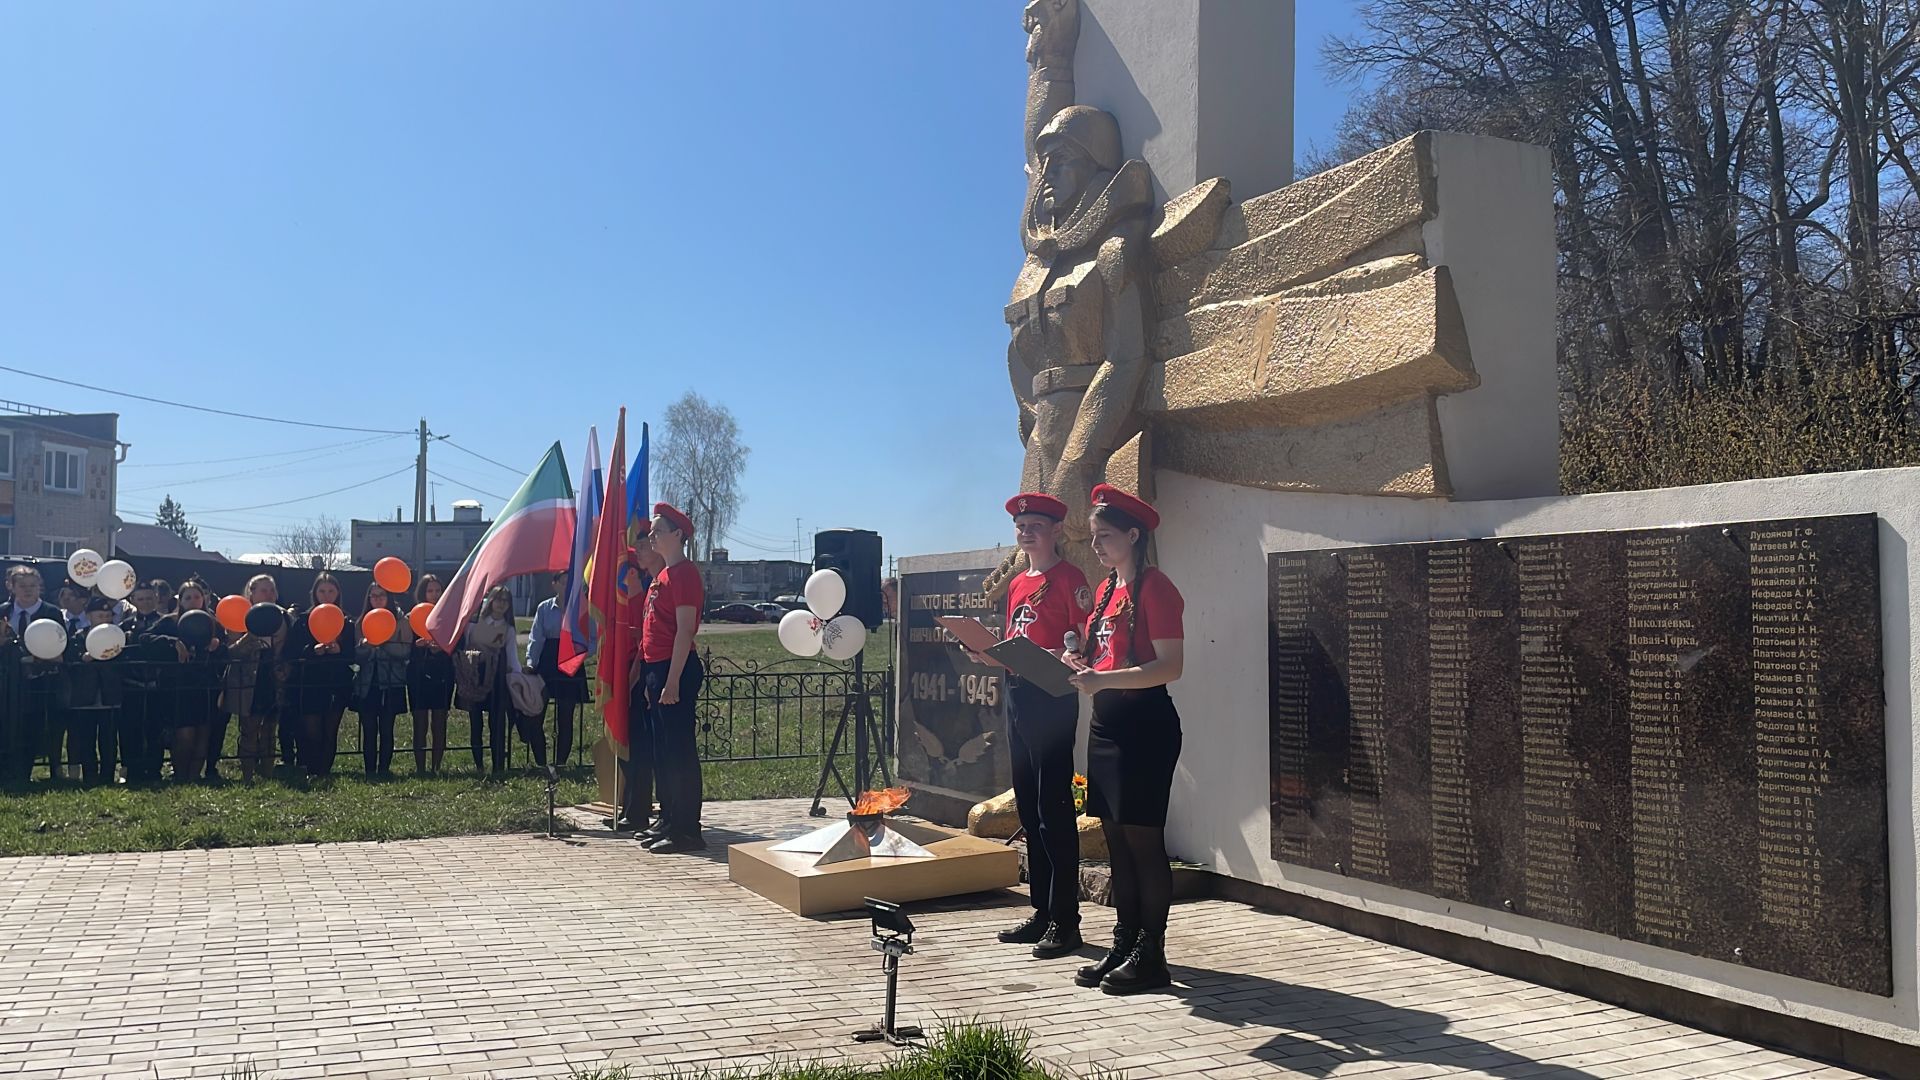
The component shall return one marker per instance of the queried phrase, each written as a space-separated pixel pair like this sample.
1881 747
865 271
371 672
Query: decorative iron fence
782 711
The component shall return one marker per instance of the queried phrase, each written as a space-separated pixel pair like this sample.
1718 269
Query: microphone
1070 642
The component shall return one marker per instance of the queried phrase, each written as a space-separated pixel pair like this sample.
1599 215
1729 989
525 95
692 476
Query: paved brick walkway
518 956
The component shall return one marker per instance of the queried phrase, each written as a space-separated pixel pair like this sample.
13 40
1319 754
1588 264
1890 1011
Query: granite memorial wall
952 711
1674 736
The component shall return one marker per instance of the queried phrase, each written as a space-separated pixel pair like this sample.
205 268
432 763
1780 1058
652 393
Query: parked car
791 603
740 613
771 611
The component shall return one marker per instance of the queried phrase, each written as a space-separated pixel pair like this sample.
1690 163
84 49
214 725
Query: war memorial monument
1653 746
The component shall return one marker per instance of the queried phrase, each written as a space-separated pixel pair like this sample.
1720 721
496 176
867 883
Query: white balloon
82 565
843 638
46 638
800 633
826 593
105 641
116 579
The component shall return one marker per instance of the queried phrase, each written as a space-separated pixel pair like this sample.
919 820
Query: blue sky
512 218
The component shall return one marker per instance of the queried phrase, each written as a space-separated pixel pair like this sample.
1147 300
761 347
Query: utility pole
420 505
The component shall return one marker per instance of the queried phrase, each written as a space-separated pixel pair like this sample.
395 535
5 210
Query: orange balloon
232 613
378 625
325 623
392 575
417 618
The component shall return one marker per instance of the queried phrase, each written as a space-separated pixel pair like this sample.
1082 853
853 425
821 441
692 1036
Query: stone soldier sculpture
1077 316
1298 340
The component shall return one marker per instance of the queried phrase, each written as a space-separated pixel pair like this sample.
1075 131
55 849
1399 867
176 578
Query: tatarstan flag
532 534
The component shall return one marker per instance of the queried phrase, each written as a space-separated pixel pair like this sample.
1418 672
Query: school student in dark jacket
38 727
196 691
321 679
91 697
151 665
380 687
429 688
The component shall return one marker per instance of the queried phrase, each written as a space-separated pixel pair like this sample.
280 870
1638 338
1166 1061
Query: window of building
58 549
65 468
6 541
6 455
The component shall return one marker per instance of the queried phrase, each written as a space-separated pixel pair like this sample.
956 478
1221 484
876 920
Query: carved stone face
1064 173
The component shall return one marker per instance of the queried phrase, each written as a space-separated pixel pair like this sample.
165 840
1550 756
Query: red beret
1131 505
681 522
1034 502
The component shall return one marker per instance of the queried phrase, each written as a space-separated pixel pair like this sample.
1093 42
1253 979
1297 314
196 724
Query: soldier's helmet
1092 131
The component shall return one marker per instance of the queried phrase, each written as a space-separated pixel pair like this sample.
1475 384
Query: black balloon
263 619
196 629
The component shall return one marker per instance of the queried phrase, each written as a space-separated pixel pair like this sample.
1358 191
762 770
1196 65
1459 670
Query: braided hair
1123 521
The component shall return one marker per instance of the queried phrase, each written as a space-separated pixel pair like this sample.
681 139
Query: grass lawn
62 817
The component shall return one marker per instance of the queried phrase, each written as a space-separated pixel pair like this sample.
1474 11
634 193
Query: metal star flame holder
863 835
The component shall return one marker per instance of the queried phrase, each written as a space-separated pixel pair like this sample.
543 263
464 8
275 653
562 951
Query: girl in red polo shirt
670 678
1044 604
1134 648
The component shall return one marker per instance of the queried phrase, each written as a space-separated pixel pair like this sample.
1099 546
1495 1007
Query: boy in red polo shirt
1043 604
670 675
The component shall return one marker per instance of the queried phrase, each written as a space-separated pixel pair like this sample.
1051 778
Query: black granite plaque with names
1674 736
952 711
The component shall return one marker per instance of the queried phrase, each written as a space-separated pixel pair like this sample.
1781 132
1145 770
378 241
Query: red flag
606 592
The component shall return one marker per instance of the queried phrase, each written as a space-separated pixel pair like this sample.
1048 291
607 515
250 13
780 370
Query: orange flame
880 802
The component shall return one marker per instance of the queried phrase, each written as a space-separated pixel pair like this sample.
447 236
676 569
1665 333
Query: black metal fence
782 711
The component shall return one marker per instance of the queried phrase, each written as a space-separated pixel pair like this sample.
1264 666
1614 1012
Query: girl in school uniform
255 678
322 679
380 686
1045 604
1134 647
430 687
197 693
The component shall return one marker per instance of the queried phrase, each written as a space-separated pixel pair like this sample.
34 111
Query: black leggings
376 742
1142 877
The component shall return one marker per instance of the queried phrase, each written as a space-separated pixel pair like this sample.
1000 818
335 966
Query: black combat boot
1123 937
1027 933
1146 969
1061 939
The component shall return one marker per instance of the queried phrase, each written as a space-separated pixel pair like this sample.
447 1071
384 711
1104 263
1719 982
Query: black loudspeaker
855 553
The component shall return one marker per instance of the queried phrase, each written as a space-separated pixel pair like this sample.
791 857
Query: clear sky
511 218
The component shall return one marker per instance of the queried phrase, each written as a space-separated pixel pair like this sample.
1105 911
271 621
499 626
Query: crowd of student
181 683
178 679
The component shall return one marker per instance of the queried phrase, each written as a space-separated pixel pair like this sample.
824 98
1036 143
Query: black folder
1034 664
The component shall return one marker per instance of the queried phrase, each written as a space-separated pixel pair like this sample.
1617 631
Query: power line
483 457
168 486
203 408
347 444
467 486
307 498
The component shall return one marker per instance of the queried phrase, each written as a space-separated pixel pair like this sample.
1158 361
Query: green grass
64 818
956 1051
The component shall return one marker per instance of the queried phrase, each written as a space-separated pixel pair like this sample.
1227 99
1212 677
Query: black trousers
1040 737
636 794
91 742
143 718
676 747
563 712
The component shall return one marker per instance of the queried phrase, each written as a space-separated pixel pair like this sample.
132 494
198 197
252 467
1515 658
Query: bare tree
1735 187
700 465
316 542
